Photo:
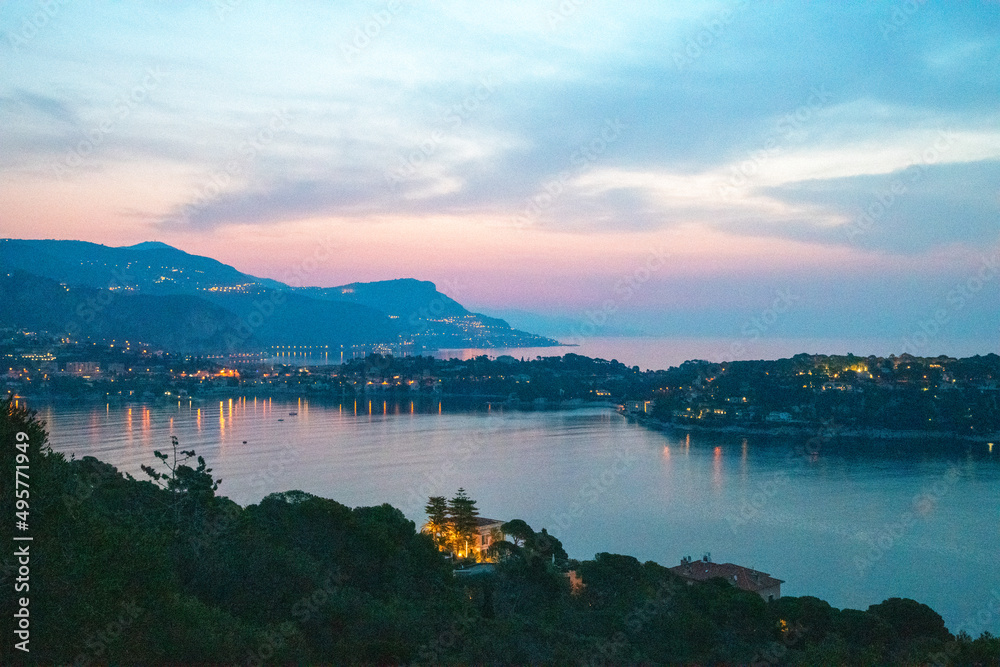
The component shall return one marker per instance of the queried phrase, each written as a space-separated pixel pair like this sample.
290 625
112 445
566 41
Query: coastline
819 429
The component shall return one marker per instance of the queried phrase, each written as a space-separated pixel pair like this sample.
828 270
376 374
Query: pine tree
437 520
463 513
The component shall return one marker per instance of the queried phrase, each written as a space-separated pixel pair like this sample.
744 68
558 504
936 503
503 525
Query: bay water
853 523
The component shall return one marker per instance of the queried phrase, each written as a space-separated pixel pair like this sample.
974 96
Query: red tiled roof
483 521
739 576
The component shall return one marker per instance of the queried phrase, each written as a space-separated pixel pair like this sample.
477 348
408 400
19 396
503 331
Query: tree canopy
119 575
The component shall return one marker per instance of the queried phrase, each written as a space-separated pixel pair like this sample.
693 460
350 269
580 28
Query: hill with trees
165 570
213 307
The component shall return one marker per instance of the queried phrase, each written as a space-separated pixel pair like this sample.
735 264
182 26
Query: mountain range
164 297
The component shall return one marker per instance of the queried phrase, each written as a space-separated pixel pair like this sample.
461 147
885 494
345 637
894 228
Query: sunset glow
528 160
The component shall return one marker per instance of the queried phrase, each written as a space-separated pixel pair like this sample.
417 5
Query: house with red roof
744 578
485 531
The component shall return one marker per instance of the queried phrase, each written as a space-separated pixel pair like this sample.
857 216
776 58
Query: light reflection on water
828 525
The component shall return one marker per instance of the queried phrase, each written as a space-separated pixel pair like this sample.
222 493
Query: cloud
910 210
783 120
26 103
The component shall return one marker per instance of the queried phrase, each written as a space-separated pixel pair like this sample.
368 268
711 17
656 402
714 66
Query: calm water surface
852 525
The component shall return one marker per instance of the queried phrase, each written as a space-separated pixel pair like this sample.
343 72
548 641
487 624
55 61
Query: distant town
862 396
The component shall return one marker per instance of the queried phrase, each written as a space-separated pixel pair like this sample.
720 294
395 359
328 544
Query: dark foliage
130 572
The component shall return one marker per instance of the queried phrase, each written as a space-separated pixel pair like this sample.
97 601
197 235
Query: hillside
168 571
175 321
167 297
151 267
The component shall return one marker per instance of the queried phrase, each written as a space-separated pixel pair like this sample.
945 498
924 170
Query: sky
725 169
